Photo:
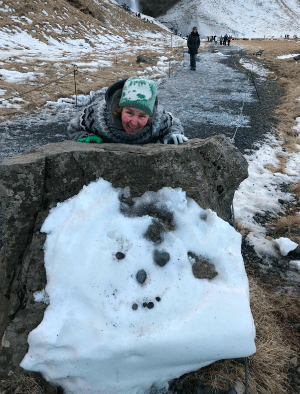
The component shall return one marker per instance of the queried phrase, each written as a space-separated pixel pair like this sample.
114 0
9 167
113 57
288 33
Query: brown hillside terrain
92 22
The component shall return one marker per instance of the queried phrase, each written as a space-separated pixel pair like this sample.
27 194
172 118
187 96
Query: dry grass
19 383
240 228
288 226
267 367
295 188
287 311
123 66
84 16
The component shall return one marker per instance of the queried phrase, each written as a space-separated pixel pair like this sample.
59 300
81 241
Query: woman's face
133 119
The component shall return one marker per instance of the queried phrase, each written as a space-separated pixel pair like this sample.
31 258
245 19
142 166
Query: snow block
208 171
118 326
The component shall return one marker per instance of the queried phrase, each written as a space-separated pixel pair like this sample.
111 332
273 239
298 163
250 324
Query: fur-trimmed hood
97 119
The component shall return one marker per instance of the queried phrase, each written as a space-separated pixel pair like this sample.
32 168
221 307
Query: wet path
218 98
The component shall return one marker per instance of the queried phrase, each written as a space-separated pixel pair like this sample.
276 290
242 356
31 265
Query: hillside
41 41
241 18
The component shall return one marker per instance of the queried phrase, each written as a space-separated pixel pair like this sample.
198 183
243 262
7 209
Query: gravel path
219 98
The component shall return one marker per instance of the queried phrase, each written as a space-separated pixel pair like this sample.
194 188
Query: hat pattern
139 93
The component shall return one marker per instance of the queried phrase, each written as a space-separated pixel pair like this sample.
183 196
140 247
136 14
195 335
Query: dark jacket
97 119
193 43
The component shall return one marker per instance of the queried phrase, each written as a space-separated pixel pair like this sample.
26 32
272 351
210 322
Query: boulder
144 59
209 171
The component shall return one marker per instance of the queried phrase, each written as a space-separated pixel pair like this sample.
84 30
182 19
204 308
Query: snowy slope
253 18
42 40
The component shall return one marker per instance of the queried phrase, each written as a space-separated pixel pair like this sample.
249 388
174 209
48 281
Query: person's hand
91 139
176 138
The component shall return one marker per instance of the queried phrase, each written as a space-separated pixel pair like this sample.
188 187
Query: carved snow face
124 294
135 257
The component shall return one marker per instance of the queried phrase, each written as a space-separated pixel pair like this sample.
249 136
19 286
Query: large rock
156 7
32 183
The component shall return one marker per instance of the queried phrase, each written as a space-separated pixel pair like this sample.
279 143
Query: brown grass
295 188
240 228
20 383
83 16
267 367
288 226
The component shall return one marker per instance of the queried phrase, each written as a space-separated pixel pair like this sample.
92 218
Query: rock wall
32 183
156 7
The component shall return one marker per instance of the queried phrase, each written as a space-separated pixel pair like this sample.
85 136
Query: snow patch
285 245
287 56
16 76
260 192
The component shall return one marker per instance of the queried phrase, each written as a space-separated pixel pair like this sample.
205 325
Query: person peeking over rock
129 114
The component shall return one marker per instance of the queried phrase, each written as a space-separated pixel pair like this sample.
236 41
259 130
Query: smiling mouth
131 131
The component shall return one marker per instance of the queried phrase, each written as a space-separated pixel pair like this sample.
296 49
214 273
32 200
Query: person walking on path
221 40
129 114
193 44
229 40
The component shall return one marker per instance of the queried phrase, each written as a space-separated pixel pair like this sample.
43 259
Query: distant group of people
211 38
125 6
137 14
225 40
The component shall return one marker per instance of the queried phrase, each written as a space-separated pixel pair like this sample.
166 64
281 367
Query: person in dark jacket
129 114
193 44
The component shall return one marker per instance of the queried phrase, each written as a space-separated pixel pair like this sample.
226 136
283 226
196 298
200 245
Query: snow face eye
161 258
141 276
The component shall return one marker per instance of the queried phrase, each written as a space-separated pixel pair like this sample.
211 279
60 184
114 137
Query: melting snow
285 245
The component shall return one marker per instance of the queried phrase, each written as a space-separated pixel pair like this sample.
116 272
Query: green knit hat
139 93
